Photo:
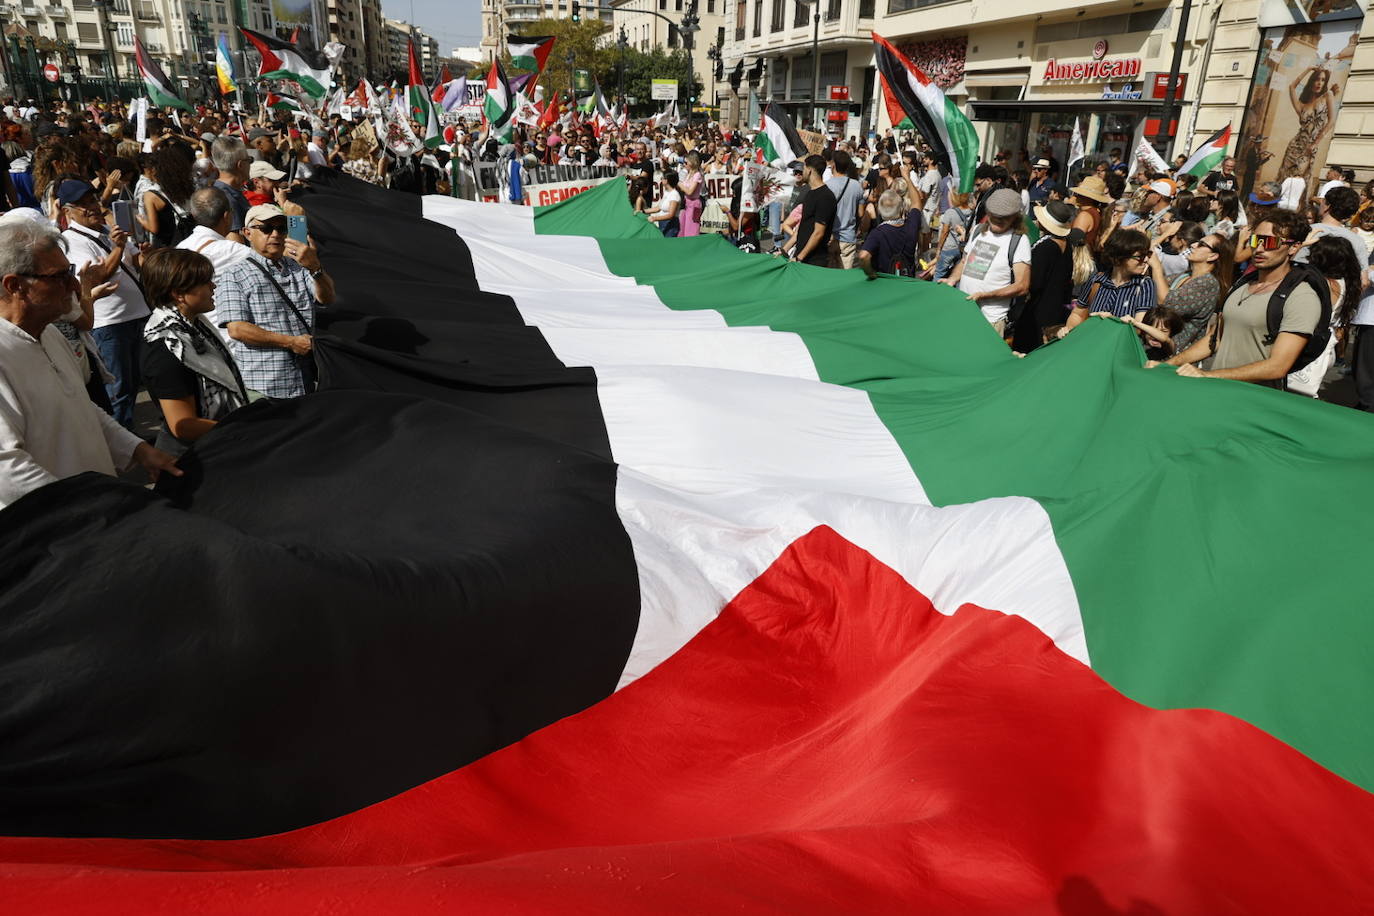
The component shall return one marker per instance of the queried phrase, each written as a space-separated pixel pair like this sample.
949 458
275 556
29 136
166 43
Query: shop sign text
1128 91
1087 71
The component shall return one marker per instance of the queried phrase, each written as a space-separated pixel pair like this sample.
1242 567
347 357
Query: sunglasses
271 226
1267 242
1201 245
1139 257
66 273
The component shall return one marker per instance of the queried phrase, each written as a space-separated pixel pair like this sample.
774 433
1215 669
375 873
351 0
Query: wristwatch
315 274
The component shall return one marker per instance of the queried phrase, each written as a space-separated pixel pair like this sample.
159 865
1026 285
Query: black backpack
1321 335
182 224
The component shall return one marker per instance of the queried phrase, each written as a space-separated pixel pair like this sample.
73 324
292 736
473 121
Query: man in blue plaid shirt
270 324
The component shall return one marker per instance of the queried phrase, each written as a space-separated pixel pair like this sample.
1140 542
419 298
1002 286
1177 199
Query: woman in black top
185 364
166 201
1051 277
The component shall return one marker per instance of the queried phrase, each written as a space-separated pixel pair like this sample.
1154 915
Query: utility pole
815 64
1171 97
688 29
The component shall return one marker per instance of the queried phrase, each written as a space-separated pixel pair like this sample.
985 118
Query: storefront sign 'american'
1121 68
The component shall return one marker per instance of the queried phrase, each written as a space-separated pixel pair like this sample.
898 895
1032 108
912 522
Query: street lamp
622 41
104 6
713 54
688 29
815 65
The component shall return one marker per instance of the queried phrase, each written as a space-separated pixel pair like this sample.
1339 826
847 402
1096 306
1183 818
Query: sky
452 22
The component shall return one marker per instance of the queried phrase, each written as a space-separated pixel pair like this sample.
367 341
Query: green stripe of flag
1213 529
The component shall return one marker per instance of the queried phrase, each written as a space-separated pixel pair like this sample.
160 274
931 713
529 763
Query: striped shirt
1135 295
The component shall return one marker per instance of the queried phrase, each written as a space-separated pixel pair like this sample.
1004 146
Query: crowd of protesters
163 257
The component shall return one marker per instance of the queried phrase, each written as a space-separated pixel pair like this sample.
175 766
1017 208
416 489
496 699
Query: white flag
1145 153
1075 149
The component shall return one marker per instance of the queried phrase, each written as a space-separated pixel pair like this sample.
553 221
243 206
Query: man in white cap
263 180
1159 198
266 302
996 265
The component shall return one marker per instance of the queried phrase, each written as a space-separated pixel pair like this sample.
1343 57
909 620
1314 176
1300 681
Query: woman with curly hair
165 199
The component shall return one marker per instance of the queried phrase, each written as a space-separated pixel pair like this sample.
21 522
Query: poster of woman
1294 100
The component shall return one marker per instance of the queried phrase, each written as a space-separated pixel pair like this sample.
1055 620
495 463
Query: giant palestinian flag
636 574
155 82
285 60
530 52
910 94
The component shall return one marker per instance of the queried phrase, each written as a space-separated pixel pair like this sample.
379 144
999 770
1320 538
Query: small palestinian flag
158 86
778 137
282 103
530 52
282 60
421 106
499 105
912 94
1209 155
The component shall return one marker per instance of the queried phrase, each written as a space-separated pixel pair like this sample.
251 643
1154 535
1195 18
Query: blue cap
72 190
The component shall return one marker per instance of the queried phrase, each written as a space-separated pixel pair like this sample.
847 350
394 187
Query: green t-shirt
1246 324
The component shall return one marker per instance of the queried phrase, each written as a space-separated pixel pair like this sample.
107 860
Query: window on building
220 17
779 15
758 17
1143 21
87 31
124 32
82 5
832 10
663 4
710 6
865 9
803 14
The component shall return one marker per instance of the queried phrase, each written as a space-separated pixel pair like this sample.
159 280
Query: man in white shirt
992 272
210 209
120 316
1335 178
319 141
49 429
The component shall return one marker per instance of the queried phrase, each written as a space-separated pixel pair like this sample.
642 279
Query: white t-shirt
126 302
316 155
986 268
1331 184
670 196
928 184
1290 193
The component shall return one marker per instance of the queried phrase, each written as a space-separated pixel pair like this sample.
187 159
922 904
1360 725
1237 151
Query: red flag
295 34
552 111
441 85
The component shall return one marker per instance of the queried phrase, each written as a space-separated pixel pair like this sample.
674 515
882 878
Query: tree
643 66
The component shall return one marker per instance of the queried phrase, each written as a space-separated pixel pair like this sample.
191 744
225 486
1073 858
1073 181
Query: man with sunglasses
49 429
1242 352
266 303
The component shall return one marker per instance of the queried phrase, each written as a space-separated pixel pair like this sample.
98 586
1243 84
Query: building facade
357 25
1027 73
500 17
644 31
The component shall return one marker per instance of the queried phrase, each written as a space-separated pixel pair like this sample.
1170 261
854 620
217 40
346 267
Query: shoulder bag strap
122 266
284 297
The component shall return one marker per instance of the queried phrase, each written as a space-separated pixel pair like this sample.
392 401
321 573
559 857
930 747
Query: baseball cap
795 166
1164 187
72 190
261 214
264 169
318 133
257 132
1004 202
1263 198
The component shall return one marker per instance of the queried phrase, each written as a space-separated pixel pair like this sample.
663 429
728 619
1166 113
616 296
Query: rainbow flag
224 66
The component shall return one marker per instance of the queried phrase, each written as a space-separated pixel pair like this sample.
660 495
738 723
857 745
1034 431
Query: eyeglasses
271 226
66 273
1267 242
1201 244
1139 257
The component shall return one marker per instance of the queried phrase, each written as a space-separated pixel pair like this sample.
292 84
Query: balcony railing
56 11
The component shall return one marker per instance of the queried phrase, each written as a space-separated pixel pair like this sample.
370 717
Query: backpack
1321 335
182 222
903 263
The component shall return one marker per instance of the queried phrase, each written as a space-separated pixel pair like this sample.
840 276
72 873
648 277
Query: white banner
663 90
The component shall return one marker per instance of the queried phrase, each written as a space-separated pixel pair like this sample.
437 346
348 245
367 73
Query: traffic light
576 11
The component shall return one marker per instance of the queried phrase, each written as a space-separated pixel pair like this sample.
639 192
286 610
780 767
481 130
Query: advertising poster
1296 94
292 12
